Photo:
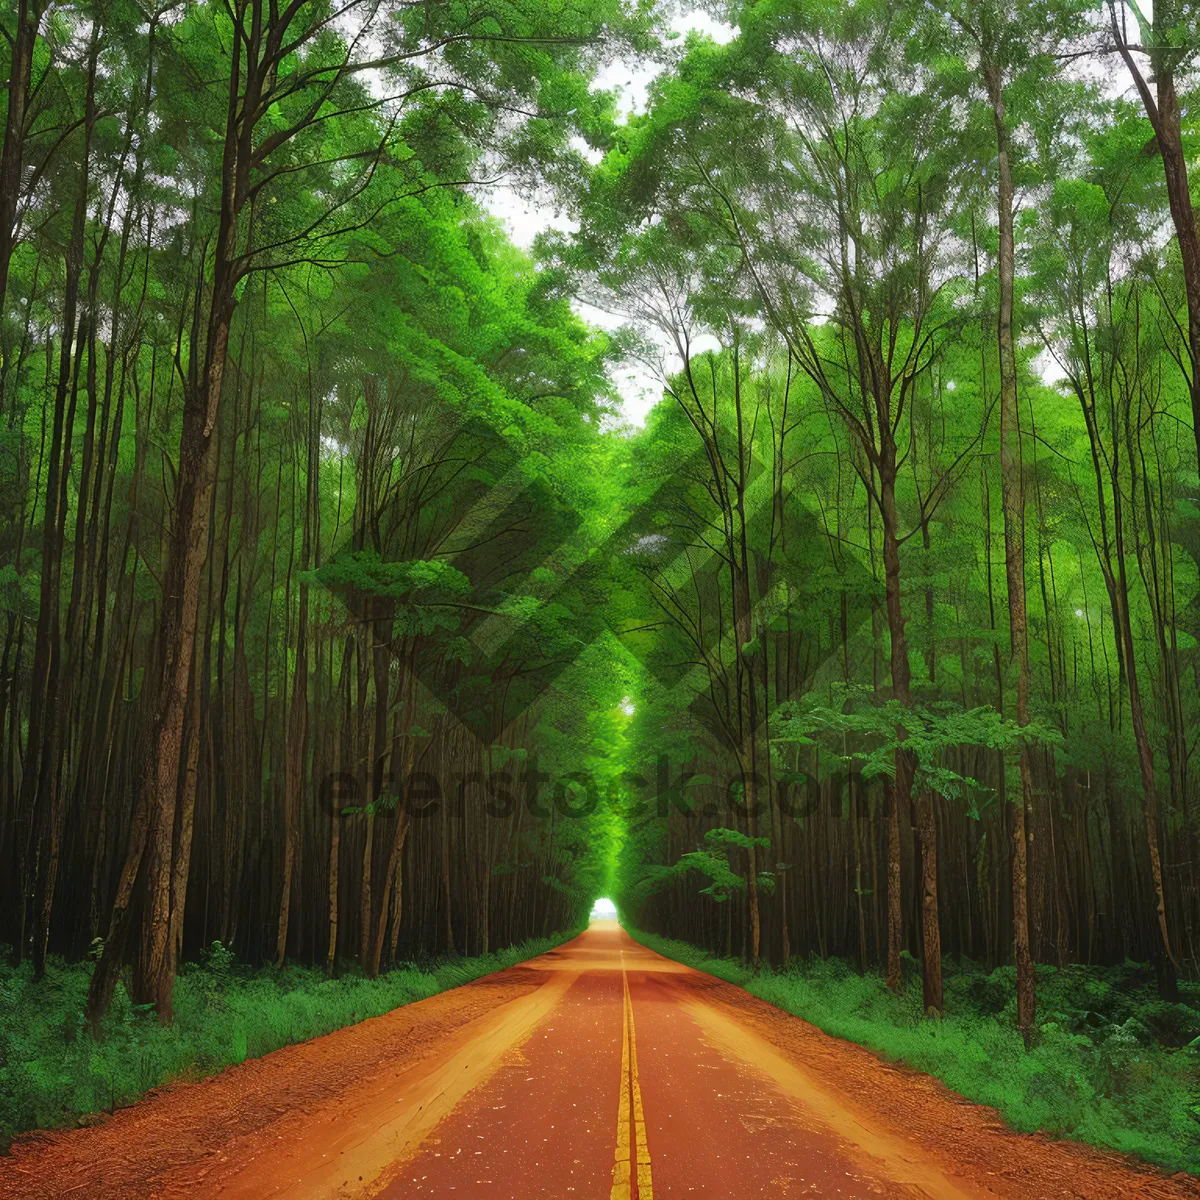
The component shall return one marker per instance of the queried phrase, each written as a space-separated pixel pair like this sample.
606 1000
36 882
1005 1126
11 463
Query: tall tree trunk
392 875
1013 502
297 731
165 702
335 816
905 767
1163 955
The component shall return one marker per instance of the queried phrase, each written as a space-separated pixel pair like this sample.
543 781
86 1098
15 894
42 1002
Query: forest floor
552 1079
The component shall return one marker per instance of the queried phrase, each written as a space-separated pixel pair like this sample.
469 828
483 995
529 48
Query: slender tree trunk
904 766
297 731
1013 501
1164 957
165 703
392 875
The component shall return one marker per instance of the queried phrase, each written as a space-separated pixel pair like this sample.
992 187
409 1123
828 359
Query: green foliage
714 863
364 571
926 731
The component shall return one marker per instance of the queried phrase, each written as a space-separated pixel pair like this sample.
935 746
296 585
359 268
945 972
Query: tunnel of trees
345 620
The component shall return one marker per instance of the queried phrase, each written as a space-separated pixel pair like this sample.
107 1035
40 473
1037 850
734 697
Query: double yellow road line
631 1168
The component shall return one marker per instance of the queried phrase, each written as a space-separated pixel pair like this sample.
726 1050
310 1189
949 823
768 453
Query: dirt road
599 1071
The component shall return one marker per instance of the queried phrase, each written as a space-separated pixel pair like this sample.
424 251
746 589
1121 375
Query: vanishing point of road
600 1071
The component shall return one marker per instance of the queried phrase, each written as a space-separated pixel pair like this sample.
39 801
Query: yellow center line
629 1183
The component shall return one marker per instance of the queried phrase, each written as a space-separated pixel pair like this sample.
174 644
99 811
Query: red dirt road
598 1071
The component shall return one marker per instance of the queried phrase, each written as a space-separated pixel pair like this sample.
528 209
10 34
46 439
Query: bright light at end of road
627 707
604 910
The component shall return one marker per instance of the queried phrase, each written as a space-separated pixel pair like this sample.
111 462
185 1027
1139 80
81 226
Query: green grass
51 1070
1110 1063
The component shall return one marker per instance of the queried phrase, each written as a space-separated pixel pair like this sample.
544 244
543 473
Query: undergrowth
52 1071
1110 1063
